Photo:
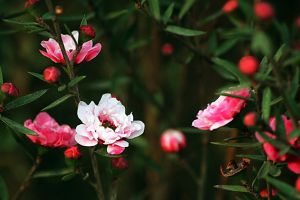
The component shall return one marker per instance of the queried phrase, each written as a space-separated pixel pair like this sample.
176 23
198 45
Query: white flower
106 123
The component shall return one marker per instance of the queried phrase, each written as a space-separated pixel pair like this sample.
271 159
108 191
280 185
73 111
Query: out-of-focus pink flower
167 49
230 6
51 74
29 3
88 30
87 50
264 193
222 111
264 10
106 123
49 132
172 140
297 184
294 164
72 152
119 163
10 89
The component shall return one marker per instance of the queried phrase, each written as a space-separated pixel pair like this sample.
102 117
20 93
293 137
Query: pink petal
51 56
84 51
114 149
93 52
85 141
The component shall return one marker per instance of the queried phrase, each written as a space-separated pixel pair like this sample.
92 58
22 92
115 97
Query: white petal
138 127
75 35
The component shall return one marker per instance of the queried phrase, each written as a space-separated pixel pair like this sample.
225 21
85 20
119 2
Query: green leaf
233 188
116 14
76 80
48 16
229 68
293 90
38 76
57 102
69 177
261 43
280 128
253 157
20 22
53 173
295 133
21 101
83 21
1 76
191 130
284 188
266 104
186 6
238 145
3 190
16 126
281 53
226 46
183 31
154 8
102 152
264 170
168 13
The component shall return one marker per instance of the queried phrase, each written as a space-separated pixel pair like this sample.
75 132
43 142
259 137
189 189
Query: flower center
107 124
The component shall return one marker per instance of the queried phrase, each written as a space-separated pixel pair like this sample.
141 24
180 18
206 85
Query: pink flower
49 132
172 140
87 51
107 124
222 111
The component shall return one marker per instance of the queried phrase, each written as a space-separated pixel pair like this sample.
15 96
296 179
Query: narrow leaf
233 188
38 76
1 76
16 126
168 13
76 80
266 104
3 190
186 6
154 7
284 188
57 102
53 173
21 101
238 145
295 133
83 21
183 31
253 157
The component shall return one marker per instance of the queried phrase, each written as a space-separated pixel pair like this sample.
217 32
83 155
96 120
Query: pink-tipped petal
93 52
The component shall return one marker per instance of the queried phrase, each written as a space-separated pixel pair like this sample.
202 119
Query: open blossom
172 140
49 132
107 124
222 111
87 50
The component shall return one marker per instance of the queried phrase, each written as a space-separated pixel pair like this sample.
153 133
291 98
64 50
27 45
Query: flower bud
264 10
51 74
294 164
167 49
72 153
230 6
250 119
10 89
297 185
172 140
248 65
29 3
88 30
264 193
119 163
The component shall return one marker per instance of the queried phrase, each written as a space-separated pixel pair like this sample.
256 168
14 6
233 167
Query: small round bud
264 193
264 10
230 6
172 141
51 74
10 89
29 3
119 163
250 119
167 49
248 65
88 30
72 153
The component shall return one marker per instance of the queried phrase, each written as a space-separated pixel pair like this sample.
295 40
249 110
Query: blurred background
163 86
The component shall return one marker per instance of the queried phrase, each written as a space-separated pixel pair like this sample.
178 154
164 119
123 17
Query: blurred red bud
10 89
51 74
88 30
119 163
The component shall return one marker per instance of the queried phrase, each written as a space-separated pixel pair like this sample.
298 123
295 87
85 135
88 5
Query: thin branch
95 167
26 183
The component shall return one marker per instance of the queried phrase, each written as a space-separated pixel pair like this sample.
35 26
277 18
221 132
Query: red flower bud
88 30
230 6
167 49
29 3
297 22
294 164
297 185
250 119
264 193
51 74
119 163
248 65
10 89
264 10
172 141
72 153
